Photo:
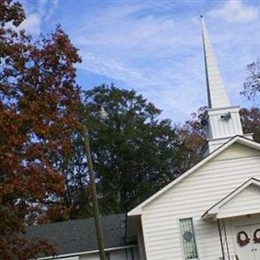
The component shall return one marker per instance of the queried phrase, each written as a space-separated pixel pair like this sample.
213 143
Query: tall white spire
217 96
222 121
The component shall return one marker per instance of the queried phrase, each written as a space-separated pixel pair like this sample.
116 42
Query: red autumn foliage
38 113
193 137
250 119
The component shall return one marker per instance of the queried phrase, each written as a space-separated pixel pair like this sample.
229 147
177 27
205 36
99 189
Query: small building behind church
76 239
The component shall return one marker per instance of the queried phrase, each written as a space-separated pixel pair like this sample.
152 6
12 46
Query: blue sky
155 47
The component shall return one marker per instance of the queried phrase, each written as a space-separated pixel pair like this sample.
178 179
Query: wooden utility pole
99 234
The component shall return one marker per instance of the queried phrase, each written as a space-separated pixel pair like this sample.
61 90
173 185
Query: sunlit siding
191 198
246 202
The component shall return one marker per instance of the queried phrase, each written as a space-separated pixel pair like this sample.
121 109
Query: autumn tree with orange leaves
38 112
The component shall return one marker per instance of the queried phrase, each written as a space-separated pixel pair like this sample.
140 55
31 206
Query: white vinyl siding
222 128
246 202
191 198
235 152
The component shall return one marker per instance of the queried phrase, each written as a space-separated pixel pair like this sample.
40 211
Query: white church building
210 212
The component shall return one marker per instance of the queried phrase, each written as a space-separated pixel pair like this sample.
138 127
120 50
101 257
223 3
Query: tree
250 119
252 82
193 137
38 114
134 152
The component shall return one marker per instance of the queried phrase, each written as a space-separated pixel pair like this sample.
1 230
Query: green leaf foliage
134 152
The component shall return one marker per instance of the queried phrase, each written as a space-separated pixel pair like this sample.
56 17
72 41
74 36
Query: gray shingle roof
77 236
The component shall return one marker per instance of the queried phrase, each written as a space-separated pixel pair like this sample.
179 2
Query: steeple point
217 96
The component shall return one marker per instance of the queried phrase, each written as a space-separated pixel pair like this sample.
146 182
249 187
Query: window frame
181 238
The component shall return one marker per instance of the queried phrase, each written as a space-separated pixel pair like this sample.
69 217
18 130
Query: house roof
237 139
216 208
75 236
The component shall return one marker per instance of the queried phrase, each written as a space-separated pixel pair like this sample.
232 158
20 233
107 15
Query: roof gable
237 202
237 139
236 151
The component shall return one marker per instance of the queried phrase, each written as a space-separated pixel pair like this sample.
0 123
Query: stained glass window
188 239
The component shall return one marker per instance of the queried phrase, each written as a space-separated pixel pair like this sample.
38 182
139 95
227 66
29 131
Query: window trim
181 239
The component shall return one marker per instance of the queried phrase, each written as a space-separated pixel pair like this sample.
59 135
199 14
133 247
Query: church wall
191 198
246 202
236 151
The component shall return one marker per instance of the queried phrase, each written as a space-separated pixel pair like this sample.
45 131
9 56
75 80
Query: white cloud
235 11
113 68
36 13
32 24
46 8
149 53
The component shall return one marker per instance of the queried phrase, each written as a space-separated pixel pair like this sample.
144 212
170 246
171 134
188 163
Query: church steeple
222 121
217 96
